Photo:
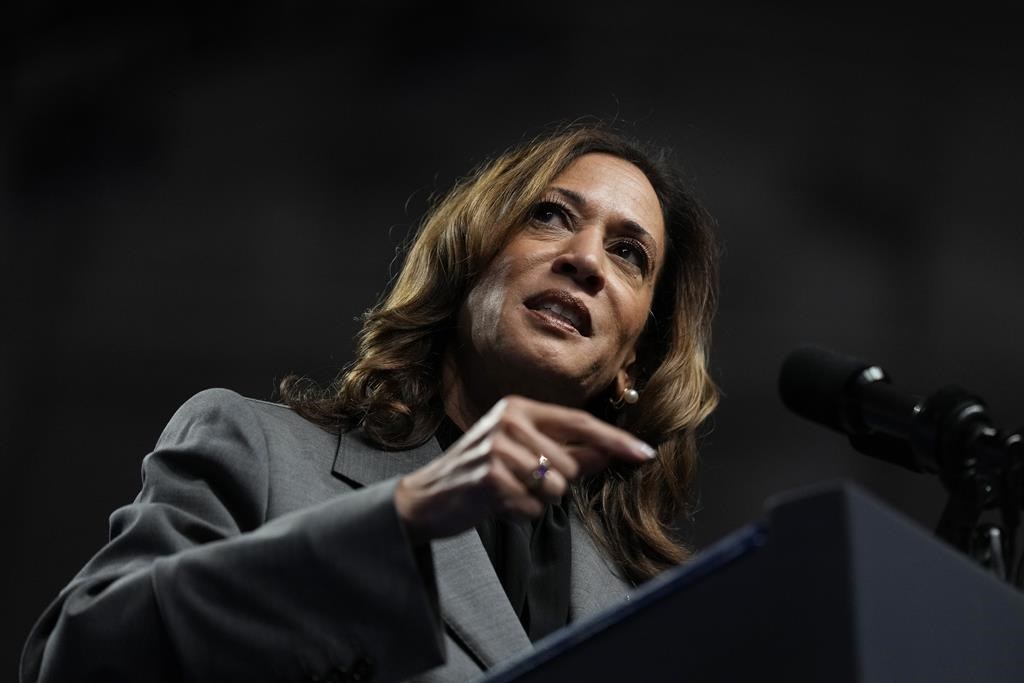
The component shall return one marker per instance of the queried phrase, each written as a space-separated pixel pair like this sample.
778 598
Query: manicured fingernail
645 449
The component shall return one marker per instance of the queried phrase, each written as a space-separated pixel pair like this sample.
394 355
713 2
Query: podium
832 585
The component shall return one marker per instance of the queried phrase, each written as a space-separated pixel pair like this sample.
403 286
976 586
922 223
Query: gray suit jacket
262 547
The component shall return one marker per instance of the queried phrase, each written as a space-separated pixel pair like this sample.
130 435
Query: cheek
633 317
485 301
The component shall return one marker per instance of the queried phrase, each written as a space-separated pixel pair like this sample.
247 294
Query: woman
480 476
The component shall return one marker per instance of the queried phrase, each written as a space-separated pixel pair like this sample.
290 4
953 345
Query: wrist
404 500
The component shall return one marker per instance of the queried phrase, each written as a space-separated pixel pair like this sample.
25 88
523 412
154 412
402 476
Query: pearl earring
629 396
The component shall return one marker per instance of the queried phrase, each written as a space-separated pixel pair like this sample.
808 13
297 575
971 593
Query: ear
625 378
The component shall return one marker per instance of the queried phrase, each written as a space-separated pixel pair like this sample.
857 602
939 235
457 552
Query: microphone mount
948 433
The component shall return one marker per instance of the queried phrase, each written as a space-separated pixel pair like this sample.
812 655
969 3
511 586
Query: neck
463 410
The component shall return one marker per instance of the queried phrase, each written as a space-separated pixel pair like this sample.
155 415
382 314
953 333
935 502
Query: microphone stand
980 467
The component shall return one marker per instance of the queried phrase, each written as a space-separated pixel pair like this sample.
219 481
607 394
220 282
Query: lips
562 306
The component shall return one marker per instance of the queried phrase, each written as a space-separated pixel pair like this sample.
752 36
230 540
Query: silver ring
543 467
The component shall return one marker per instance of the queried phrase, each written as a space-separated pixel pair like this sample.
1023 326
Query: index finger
578 426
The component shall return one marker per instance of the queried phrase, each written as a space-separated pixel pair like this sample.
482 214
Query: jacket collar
359 463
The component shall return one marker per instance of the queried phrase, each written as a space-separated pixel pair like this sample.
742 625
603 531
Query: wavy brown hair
393 389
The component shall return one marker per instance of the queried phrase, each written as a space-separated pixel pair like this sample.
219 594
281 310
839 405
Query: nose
583 259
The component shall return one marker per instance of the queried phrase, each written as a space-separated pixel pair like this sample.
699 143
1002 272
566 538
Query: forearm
288 600
197 583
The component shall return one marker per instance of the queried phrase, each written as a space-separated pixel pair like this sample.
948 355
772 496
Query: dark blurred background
209 197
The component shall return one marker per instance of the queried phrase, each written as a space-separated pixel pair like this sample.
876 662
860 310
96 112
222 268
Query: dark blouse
532 558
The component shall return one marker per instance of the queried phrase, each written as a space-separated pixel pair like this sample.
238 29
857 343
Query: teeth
562 312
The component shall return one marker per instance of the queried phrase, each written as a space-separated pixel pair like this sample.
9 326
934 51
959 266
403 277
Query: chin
553 374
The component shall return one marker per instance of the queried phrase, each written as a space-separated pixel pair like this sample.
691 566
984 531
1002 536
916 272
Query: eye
632 252
551 213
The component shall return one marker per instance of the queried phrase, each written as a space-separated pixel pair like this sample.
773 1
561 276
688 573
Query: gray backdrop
209 197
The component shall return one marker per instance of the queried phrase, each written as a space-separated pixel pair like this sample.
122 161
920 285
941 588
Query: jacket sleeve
193 585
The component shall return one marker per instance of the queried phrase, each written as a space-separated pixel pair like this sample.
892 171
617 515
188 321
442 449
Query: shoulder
225 420
214 404
218 405
211 409
247 450
279 424
219 401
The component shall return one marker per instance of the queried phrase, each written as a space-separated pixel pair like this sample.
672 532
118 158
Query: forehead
615 189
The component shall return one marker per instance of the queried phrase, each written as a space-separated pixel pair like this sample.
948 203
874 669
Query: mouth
562 308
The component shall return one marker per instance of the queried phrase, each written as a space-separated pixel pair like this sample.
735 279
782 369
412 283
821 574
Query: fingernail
645 449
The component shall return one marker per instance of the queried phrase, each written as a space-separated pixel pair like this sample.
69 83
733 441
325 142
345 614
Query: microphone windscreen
815 383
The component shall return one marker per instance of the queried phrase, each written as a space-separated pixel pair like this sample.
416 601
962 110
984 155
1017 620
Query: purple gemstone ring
543 467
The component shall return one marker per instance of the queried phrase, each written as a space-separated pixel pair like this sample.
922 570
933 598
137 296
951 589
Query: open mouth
562 307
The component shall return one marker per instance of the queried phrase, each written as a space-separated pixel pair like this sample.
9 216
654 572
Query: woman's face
557 314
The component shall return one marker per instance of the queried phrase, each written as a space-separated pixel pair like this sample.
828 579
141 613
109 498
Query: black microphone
844 394
948 433
857 398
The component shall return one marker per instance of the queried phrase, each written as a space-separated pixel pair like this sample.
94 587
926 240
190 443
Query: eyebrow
632 227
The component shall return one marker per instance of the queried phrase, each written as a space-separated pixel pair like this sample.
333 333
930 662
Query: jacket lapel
359 463
595 585
476 608
473 603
